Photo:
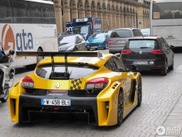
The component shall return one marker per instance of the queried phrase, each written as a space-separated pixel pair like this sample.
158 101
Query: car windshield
100 35
68 39
75 71
141 44
81 29
121 33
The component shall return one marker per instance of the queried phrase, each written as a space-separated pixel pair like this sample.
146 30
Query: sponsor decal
20 41
7 38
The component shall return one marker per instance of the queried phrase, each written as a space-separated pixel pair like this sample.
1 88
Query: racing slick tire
5 96
120 109
139 95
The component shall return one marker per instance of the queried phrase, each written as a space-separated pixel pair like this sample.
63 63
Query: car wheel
172 66
120 109
5 96
139 93
164 69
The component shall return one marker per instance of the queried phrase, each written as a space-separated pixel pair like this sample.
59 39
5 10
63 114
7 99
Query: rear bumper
32 104
151 65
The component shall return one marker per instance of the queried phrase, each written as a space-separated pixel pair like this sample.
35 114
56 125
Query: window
18 11
135 44
121 33
137 33
75 71
168 10
114 64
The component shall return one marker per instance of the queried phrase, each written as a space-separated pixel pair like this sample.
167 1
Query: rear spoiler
64 54
66 74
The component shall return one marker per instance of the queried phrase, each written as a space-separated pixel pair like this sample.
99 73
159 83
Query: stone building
114 13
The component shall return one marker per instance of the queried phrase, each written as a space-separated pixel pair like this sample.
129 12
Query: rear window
121 33
75 71
141 44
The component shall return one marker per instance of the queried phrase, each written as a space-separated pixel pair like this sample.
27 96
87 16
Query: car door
167 51
170 52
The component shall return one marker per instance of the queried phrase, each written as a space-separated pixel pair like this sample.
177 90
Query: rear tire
164 70
172 66
5 97
139 96
120 109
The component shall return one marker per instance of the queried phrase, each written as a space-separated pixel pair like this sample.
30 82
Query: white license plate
56 102
121 41
94 47
141 63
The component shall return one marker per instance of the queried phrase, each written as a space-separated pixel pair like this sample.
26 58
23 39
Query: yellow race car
95 84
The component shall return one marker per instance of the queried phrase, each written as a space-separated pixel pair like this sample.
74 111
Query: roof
147 37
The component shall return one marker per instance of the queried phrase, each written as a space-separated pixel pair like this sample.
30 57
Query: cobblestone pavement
159 115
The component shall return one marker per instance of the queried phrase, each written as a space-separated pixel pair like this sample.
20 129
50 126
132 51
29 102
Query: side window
165 43
119 63
111 65
161 44
80 39
77 39
136 33
5 11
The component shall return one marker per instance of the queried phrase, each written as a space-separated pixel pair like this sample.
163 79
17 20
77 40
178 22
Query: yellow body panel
13 101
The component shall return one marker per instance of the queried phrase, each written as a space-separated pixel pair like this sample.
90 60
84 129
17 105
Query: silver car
72 42
119 37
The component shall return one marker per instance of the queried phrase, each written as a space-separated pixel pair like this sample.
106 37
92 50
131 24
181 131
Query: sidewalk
172 126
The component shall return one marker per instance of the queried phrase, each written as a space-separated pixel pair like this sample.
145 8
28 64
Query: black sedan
149 53
72 42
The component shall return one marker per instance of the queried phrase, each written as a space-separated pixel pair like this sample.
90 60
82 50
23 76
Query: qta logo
7 38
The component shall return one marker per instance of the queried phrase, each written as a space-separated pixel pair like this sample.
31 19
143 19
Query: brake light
126 51
157 51
98 83
27 82
110 41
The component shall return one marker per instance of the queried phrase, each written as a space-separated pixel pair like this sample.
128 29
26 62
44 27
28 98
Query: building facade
114 13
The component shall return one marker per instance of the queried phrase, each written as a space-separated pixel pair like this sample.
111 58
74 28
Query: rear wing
64 54
66 74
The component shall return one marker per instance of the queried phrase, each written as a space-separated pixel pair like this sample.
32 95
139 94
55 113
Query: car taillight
110 41
27 82
96 84
157 51
126 51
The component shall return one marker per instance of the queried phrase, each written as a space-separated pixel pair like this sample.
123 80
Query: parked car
72 42
87 83
148 54
97 41
145 31
119 37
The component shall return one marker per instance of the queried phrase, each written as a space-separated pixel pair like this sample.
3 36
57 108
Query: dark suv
148 53
118 38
